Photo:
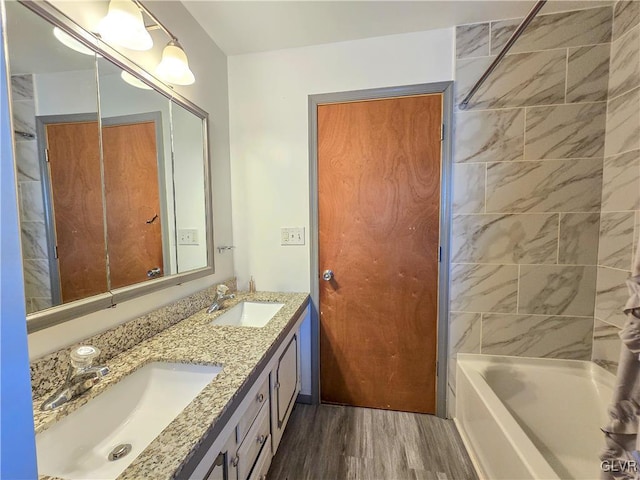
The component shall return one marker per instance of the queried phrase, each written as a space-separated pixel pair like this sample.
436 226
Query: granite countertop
192 340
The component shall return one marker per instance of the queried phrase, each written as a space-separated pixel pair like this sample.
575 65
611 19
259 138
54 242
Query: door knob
154 272
327 275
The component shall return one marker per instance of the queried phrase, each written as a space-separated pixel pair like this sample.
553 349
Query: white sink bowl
133 411
249 314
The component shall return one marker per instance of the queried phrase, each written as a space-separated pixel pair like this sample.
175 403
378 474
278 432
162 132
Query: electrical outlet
292 236
188 236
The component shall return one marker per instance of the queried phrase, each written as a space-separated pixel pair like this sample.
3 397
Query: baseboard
304 398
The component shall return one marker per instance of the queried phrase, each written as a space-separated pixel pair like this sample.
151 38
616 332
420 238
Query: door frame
446 89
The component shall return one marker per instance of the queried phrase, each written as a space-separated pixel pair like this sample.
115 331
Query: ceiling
240 27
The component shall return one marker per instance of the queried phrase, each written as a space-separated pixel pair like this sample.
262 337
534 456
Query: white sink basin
133 411
249 314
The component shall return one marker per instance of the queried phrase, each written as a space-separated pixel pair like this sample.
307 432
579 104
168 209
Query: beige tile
511 239
588 74
537 336
621 182
625 63
546 186
623 123
606 345
520 80
626 16
565 131
472 40
578 238
616 239
557 290
489 136
484 288
468 187
557 30
611 295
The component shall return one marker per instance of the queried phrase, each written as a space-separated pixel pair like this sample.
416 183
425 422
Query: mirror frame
70 311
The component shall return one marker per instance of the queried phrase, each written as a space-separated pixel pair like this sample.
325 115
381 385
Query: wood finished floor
338 443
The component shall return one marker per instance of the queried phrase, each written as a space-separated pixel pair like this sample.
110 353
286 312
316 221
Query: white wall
268 95
209 65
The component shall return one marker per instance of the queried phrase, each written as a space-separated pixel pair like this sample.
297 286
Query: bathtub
532 418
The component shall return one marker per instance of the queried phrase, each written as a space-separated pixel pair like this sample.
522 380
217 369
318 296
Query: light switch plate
188 236
292 236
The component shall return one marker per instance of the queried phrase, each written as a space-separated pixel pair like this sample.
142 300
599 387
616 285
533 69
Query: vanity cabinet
246 444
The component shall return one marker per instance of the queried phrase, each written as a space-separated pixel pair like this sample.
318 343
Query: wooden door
76 190
379 202
134 231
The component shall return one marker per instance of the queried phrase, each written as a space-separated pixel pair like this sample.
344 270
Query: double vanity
207 398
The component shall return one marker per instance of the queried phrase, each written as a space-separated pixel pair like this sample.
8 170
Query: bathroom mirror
112 169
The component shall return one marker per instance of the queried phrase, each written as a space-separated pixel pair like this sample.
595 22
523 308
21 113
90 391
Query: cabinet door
285 386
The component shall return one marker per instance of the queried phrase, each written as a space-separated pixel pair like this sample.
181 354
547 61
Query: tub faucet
81 376
221 296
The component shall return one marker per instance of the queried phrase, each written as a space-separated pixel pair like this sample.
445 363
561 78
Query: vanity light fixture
174 67
70 42
134 81
124 26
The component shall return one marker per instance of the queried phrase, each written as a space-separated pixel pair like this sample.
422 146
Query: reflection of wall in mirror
34 238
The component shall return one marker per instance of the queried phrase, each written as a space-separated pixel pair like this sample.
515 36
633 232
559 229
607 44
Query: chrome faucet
221 296
81 376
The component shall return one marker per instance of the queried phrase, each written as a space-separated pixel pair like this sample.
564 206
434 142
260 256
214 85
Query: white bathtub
532 418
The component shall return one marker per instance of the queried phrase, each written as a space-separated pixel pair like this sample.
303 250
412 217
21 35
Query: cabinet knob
261 439
260 398
234 462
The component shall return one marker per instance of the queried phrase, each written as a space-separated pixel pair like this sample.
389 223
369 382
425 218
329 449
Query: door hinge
56 248
439 254
442 132
437 368
46 155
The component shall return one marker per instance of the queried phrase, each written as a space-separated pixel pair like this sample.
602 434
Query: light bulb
174 66
124 26
133 81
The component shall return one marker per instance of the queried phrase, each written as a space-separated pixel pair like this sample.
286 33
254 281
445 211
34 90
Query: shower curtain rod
512 39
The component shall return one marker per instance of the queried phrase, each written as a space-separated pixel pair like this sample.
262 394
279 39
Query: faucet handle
222 289
83 356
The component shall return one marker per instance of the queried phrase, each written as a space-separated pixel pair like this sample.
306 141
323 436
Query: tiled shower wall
528 167
620 217
34 237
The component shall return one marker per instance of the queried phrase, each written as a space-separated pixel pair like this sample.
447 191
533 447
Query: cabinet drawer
255 439
261 398
263 463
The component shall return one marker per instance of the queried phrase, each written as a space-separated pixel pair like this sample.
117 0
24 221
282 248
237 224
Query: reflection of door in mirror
132 205
134 229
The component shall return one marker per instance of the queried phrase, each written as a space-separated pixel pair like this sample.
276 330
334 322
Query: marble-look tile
451 398
616 239
547 186
472 40
484 288
22 87
31 205
530 238
556 30
37 282
578 238
489 136
468 187
588 74
557 290
636 239
623 123
468 71
24 118
38 304
27 161
625 63
464 337
611 295
606 345
621 182
520 80
626 16
565 131
537 336
34 240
